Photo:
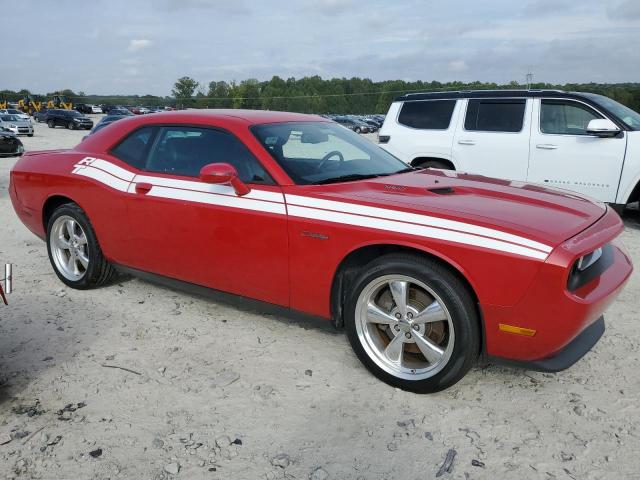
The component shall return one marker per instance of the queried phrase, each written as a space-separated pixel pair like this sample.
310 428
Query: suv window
133 149
495 115
427 115
562 117
185 150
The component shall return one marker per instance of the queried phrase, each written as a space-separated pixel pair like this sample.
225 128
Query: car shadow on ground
246 305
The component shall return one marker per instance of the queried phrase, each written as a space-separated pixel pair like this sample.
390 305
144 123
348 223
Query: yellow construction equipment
3 104
29 105
59 101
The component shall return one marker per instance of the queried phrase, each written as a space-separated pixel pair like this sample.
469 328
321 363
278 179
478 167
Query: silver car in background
16 124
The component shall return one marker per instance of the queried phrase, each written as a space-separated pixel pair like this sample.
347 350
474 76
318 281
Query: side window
495 115
427 115
562 117
185 150
133 149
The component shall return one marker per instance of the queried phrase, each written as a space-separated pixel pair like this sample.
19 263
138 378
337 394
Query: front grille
23 129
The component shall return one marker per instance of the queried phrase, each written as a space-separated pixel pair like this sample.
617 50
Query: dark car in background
10 144
355 125
120 111
83 108
106 121
68 118
41 116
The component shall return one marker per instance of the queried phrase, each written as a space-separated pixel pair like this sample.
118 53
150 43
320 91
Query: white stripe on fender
113 169
102 177
412 229
414 218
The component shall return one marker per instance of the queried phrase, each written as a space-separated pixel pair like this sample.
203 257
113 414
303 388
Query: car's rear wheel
74 251
413 323
51 124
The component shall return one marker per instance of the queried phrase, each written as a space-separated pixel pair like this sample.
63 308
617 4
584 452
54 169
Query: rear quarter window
427 114
495 115
133 150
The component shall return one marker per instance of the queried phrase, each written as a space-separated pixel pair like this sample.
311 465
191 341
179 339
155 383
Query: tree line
316 95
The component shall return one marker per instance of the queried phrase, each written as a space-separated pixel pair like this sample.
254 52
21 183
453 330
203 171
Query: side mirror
603 128
224 173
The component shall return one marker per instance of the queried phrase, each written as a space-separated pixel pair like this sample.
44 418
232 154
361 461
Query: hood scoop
442 190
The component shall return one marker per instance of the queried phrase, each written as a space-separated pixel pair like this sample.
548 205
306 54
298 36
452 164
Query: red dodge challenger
428 271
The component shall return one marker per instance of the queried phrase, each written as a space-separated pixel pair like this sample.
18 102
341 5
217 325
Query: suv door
492 138
564 155
203 233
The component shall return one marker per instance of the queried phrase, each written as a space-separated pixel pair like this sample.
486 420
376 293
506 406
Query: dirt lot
216 391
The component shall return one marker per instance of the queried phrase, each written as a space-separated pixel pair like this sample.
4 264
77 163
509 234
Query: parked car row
87 108
358 123
135 110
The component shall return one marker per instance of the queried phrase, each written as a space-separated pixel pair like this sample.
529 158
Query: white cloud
139 44
458 66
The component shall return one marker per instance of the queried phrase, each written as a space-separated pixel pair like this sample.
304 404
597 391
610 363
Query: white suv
583 142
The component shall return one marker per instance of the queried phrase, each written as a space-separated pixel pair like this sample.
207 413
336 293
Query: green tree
184 88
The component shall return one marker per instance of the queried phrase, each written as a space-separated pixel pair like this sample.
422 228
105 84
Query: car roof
247 117
504 93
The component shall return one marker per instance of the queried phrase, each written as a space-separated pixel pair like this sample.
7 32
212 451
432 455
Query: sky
143 46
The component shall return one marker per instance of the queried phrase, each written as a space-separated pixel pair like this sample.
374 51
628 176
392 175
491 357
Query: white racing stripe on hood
412 229
425 220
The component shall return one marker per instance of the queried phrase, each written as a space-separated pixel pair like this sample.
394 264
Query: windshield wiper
346 178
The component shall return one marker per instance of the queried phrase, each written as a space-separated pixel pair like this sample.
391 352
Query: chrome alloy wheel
404 327
69 249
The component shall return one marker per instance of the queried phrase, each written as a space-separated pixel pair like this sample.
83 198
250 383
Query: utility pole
529 78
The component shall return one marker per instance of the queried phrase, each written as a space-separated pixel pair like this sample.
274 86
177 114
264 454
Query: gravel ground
138 381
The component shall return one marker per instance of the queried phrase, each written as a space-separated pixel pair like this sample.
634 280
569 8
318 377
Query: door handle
466 142
546 146
143 188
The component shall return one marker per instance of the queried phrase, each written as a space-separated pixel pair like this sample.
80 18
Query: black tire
71 126
357 130
30 135
458 301
432 164
51 124
99 270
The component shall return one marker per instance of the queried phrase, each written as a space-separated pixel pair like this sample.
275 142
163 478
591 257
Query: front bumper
570 354
556 315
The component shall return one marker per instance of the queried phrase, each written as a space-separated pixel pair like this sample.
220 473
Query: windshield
9 118
73 113
314 153
630 117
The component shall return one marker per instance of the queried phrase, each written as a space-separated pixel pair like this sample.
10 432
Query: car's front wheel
71 126
74 251
413 323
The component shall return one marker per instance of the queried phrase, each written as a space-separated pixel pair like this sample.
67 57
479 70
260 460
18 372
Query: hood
546 215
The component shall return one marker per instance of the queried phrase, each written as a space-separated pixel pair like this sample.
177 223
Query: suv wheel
51 124
412 323
71 126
